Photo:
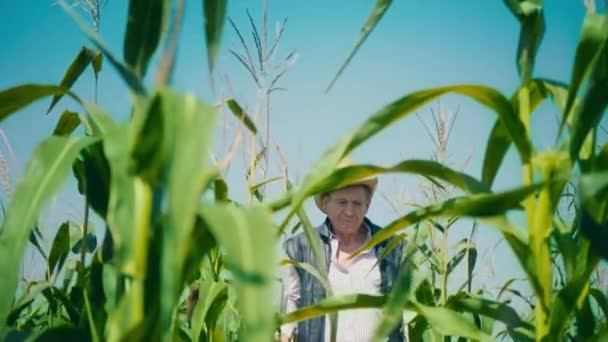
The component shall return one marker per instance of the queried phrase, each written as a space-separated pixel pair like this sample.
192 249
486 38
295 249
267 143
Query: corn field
180 260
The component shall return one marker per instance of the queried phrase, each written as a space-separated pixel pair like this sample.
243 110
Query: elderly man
344 230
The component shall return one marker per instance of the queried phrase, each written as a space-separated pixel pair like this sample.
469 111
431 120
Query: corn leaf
144 24
46 172
85 57
372 21
214 15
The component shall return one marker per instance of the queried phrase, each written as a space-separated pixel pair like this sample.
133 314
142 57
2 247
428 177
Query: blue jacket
298 249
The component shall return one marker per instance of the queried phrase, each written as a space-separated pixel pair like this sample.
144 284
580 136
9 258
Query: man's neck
350 242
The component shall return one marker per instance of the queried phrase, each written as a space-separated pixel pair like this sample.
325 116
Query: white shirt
362 275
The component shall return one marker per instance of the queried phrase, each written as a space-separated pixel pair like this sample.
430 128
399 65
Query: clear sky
418 45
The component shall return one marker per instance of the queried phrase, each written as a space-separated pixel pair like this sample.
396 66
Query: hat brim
370 183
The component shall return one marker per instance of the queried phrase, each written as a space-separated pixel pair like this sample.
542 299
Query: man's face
346 208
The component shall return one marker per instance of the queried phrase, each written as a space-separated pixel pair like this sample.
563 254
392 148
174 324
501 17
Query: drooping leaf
398 110
500 139
449 322
145 21
591 109
47 170
531 17
240 114
60 249
334 304
214 16
310 269
478 205
248 238
372 21
131 78
85 57
594 33
67 123
496 310
13 99
403 291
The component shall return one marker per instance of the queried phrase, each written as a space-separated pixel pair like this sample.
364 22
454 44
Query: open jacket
299 249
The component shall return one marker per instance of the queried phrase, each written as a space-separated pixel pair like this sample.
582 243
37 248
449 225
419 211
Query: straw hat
371 183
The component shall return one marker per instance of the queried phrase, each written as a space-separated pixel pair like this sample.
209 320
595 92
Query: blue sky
418 45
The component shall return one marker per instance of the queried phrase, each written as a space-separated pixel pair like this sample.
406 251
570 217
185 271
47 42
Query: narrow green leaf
589 113
478 205
248 238
208 293
496 310
372 20
188 126
449 322
334 304
78 66
14 99
59 249
67 123
264 182
30 294
403 291
214 16
144 28
531 17
594 33
310 269
601 300
396 111
128 75
500 139
47 170
240 114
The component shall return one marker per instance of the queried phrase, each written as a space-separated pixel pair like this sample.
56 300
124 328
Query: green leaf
45 174
31 293
214 16
187 130
593 35
14 99
601 300
248 238
403 291
477 205
500 139
256 186
67 123
396 111
85 57
489 308
590 111
531 17
144 24
334 304
449 322
220 190
310 269
60 249
126 72
240 114
372 20
202 319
